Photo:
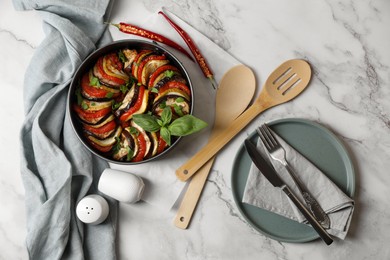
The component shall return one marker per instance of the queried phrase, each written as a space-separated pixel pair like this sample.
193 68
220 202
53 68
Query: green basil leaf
186 125
124 88
160 122
166 135
116 105
162 105
178 110
133 130
94 81
84 105
154 90
130 154
122 57
179 100
166 116
117 145
169 73
147 122
109 95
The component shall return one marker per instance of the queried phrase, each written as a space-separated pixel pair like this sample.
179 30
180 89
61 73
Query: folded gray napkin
259 191
57 171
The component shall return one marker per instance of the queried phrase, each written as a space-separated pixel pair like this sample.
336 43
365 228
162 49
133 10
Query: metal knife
272 176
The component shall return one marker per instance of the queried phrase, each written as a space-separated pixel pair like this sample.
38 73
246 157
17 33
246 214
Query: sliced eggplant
141 110
149 67
128 101
154 139
161 82
161 72
107 141
91 105
141 55
92 120
141 131
100 136
130 57
106 120
109 72
112 68
127 144
172 92
179 105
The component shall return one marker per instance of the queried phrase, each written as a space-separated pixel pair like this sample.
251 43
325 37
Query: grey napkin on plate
57 170
259 191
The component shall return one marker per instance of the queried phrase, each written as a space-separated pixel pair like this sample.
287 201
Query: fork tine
263 138
270 135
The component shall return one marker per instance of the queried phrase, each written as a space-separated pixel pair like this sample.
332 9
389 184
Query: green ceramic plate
317 144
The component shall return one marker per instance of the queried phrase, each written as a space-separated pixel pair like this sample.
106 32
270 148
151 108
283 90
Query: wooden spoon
285 83
234 93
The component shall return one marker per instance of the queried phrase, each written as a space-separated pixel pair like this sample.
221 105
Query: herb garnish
93 81
122 57
169 73
181 126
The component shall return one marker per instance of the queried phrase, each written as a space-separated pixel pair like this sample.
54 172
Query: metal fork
277 152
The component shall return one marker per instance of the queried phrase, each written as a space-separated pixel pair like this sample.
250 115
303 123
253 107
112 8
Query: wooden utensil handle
185 171
192 195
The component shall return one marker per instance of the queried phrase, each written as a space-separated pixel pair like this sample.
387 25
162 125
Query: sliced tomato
126 116
161 145
86 114
141 148
143 63
92 91
177 85
116 80
101 130
115 61
172 91
137 61
158 71
103 149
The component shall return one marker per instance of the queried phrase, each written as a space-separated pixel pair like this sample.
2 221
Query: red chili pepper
135 30
194 49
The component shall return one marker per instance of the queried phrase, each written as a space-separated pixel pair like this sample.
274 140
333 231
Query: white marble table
347 44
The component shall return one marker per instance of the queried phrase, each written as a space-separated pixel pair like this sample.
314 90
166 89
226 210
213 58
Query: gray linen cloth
57 171
259 191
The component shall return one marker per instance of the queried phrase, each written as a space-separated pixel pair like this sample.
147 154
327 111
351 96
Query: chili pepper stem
194 49
213 82
113 24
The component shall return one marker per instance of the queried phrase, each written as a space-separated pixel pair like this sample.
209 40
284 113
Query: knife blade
270 173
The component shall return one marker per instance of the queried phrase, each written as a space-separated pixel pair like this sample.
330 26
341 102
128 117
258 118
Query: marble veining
347 44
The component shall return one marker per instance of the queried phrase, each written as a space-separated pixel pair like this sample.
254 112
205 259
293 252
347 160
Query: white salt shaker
122 186
92 209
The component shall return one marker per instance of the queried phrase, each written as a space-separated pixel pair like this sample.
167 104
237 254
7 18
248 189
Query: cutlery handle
192 195
189 168
313 222
310 201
